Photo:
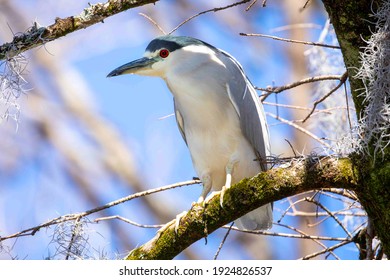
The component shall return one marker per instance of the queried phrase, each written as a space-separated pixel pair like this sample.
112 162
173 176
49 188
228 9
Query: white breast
212 130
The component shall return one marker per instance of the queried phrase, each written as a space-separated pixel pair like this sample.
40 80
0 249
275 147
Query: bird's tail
260 218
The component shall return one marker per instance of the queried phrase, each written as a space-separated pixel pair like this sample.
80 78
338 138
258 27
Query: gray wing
249 108
179 121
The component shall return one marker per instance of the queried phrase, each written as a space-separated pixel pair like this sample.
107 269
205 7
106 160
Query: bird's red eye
164 53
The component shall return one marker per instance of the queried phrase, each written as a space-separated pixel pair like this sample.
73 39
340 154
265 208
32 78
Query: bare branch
254 2
154 23
290 40
321 214
305 5
278 89
126 221
289 235
329 249
343 79
300 128
70 217
223 241
330 214
207 11
37 36
73 239
315 240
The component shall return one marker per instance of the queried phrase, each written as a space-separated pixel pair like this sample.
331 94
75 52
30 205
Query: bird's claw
175 222
210 197
182 214
213 194
178 219
222 196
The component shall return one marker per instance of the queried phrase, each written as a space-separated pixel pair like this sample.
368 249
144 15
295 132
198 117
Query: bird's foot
228 183
210 197
222 196
180 216
178 219
175 222
223 191
213 194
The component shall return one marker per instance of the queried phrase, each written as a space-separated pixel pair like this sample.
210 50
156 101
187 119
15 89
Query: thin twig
330 214
321 214
254 2
154 23
340 192
304 6
292 148
329 249
347 193
314 240
295 26
126 221
343 79
290 40
73 238
289 235
291 206
288 106
318 111
278 89
207 11
300 128
223 241
70 217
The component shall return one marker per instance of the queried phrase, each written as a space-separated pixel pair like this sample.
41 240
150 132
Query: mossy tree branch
249 194
37 35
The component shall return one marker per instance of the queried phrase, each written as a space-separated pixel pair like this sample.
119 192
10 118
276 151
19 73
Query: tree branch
37 35
247 195
208 11
290 40
78 216
343 79
269 90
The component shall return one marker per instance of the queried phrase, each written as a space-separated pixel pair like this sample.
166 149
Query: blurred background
72 140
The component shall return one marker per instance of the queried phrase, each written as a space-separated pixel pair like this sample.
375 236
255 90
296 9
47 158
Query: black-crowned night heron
217 111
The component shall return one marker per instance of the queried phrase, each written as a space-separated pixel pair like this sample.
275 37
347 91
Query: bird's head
167 53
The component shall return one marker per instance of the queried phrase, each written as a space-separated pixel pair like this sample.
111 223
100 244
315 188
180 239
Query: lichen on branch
38 35
375 74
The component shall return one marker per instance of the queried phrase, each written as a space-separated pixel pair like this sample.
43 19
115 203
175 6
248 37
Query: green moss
347 171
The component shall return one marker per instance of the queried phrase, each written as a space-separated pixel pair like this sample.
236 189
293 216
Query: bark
353 27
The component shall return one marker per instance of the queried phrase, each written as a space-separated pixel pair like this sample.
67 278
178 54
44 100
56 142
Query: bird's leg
228 182
207 184
206 180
